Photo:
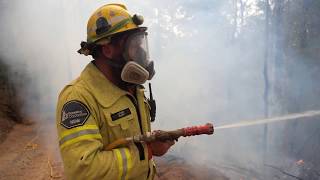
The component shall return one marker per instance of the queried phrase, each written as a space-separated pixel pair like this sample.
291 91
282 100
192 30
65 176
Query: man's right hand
159 148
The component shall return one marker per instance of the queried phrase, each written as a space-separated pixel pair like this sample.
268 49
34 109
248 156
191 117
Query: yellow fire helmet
106 21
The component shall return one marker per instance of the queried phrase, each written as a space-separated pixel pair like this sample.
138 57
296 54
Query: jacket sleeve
81 144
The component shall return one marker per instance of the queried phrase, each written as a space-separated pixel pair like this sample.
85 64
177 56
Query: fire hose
160 135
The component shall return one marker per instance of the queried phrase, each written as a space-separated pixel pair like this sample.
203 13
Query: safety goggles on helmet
138 68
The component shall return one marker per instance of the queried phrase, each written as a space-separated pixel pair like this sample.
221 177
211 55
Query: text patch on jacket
74 113
120 114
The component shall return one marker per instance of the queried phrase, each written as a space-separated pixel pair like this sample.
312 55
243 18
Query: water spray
270 120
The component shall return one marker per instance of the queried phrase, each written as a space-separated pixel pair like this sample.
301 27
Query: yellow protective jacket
91 113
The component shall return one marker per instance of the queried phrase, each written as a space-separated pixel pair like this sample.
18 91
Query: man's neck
107 71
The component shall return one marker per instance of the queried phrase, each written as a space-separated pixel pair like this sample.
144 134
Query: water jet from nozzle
270 120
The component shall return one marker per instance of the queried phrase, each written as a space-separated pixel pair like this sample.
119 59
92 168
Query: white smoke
202 73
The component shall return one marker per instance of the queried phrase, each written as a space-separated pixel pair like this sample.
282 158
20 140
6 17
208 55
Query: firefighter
107 102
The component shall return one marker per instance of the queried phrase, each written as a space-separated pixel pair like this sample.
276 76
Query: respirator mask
138 68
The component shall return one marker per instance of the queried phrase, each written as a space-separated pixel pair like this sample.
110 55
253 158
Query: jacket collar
105 92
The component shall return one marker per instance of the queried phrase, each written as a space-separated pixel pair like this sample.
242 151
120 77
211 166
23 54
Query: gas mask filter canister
132 72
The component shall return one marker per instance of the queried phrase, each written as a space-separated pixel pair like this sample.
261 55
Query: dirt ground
5 126
174 168
31 152
25 154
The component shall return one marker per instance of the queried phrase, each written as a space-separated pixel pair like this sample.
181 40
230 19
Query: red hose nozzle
197 130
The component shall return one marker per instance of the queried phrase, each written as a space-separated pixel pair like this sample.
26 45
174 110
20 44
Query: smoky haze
209 68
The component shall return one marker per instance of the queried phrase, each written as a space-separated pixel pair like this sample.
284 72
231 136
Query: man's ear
107 51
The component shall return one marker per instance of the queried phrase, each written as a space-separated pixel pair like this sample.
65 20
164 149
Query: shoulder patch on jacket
74 113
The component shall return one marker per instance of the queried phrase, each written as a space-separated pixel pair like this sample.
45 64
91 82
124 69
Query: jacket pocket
119 120
119 117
